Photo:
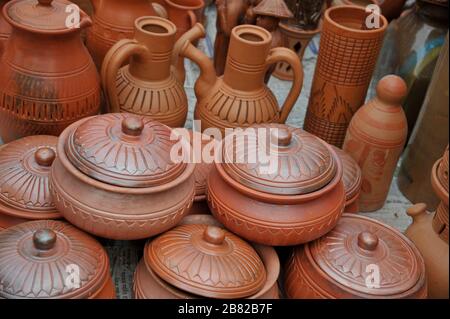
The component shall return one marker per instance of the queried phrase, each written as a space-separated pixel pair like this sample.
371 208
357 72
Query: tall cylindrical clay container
375 139
350 43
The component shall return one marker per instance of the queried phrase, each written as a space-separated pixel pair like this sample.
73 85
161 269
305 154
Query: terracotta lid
124 150
39 259
349 254
274 8
42 15
24 177
301 162
352 176
207 261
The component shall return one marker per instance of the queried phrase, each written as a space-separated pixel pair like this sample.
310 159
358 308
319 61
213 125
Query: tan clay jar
24 180
35 258
150 84
183 13
114 177
375 139
297 202
148 284
345 264
5 28
240 97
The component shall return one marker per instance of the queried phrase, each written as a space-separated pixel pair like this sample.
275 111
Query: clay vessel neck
246 63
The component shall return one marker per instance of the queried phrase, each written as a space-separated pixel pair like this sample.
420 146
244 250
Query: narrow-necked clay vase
360 258
114 177
293 196
53 260
48 79
231 267
149 84
5 28
24 180
375 139
347 57
182 13
240 98
113 20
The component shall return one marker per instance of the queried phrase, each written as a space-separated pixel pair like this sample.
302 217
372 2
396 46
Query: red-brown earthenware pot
24 180
53 260
5 28
360 258
48 79
299 197
114 177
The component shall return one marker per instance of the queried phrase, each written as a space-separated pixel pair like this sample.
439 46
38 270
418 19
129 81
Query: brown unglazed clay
5 28
99 189
183 13
24 180
38 258
48 79
347 56
240 98
150 84
359 258
375 139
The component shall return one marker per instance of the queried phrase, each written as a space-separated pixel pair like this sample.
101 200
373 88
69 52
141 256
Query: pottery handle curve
192 18
113 61
290 57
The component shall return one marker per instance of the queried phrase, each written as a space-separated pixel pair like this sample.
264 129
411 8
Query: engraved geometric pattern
332 133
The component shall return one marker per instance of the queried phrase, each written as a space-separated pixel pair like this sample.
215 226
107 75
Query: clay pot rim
441 192
286 27
29 214
185 7
140 22
266 37
350 8
62 157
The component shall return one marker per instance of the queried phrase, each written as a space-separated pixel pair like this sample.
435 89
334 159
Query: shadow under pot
38 257
229 268
292 196
114 177
24 180
359 258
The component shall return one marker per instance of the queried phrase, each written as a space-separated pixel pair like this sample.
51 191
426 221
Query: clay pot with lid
5 28
168 270
359 258
48 78
38 257
299 199
152 83
24 180
114 177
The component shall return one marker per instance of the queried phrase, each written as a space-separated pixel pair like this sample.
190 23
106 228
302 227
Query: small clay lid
125 150
352 176
24 177
360 247
50 259
274 8
207 261
42 15
294 162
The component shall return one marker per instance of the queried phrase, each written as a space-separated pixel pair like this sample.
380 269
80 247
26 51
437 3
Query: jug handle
288 56
192 18
113 61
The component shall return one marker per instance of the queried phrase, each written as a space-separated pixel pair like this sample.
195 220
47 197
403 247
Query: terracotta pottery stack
5 28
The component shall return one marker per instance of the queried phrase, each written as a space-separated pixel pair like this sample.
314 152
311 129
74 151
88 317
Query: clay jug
183 13
113 20
375 139
5 28
240 97
150 84
48 79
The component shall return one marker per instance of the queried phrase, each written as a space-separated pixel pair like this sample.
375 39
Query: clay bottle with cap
375 139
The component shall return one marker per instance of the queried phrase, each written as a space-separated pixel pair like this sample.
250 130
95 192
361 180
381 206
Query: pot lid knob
44 239
45 156
368 241
45 2
281 136
392 89
132 126
214 235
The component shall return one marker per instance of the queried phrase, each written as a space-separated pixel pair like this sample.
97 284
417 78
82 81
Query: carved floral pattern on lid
35 259
206 261
124 150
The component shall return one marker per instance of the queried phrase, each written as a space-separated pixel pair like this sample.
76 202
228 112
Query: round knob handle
214 235
367 241
45 156
281 136
44 239
392 89
132 126
417 210
45 2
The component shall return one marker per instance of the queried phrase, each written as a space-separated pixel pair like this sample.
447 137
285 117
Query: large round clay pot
24 180
294 198
5 28
48 79
114 177
41 259
360 258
